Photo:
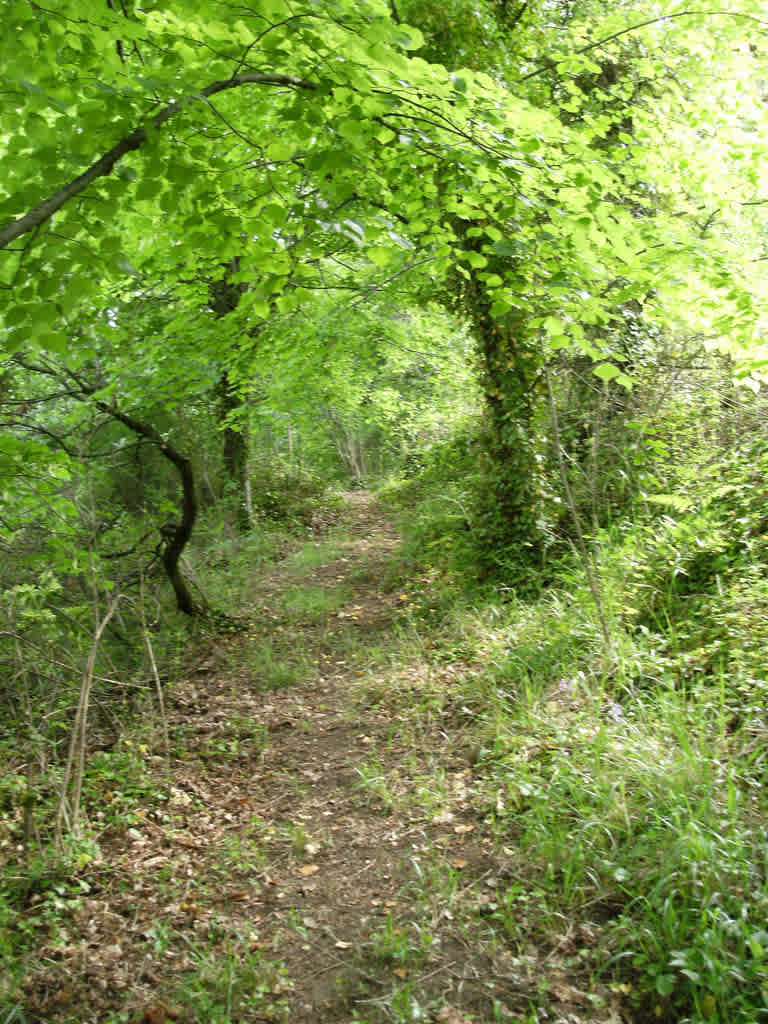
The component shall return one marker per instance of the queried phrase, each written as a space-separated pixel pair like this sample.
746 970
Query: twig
76 752
155 675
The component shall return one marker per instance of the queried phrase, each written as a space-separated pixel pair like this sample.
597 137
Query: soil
293 863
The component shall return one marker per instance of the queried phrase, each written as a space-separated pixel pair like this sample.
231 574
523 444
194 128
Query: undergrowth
623 785
631 779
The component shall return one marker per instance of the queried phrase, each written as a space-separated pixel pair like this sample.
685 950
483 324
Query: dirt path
314 851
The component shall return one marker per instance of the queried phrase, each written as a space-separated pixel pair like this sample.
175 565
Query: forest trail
315 846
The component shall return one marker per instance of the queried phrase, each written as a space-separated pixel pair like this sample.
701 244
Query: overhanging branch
135 140
551 63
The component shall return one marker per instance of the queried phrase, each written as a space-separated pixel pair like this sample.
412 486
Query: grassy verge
589 823
627 786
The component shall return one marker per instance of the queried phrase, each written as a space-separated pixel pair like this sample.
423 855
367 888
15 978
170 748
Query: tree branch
183 531
135 140
552 62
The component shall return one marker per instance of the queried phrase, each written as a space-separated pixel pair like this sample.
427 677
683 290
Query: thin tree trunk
181 532
225 297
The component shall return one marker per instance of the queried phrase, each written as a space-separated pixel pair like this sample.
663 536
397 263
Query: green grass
227 566
229 981
314 604
271 662
627 787
640 803
314 554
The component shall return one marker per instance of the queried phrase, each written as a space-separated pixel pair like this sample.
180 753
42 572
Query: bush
286 493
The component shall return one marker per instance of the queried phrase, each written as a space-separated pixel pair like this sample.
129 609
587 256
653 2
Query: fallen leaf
449 1015
159 1013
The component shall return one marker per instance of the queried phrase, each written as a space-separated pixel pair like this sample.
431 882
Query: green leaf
280 151
380 255
500 307
606 371
52 341
149 188
665 984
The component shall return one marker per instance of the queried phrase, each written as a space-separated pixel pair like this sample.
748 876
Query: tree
152 146
602 226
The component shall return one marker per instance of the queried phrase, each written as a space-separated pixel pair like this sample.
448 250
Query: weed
315 604
311 556
269 666
241 854
408 943
228 982
229 564
375 783
120 785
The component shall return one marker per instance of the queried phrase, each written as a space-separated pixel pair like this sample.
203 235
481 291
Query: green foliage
37 900
582 182
119 787
230 981
630 783
553 200
453 518
661 841
405 944
359 393
698 580
436 508
227 563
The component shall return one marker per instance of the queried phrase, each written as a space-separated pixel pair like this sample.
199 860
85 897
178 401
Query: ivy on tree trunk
510 371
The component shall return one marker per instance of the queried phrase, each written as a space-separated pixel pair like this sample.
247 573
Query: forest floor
314 843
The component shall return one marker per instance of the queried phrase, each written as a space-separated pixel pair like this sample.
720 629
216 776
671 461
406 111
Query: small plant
241 854
314 554
118 786
409 943
287 493
311 604
230 983
375 783
268 665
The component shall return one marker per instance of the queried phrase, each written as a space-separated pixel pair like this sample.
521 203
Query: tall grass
632 782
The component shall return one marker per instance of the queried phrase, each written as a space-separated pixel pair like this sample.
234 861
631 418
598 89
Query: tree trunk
510 363
179 533
225 296
172 553
235 448
509 383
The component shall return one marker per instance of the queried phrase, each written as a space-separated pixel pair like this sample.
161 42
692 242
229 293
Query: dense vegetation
499 263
